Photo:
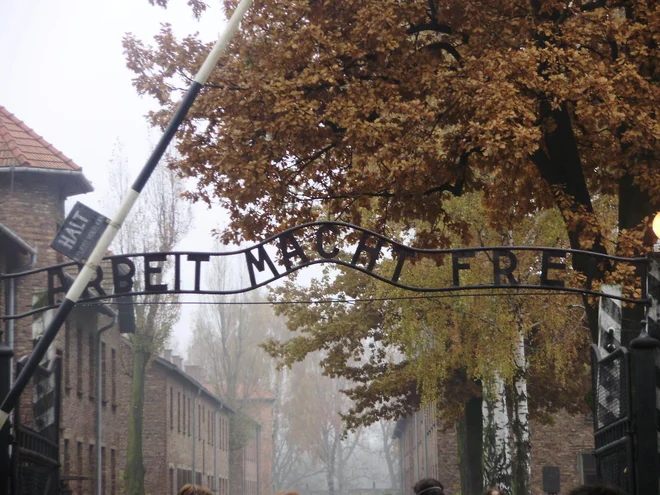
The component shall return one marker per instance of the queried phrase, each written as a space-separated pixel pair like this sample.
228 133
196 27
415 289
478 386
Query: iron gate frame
38 450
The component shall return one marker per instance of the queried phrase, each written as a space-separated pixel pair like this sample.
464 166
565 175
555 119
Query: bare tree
158 222
319 426
389 451
226 338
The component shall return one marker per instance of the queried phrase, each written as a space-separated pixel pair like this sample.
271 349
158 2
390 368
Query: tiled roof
20 146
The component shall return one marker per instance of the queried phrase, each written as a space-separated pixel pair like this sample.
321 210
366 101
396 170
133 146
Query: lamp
656 225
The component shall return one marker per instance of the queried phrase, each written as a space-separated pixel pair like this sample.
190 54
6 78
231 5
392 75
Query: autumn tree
378 113
158 222
396 106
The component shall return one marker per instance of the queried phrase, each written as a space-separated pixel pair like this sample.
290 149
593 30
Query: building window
113 377
184 413
92 465
171 409
587 468
81 467
178 411
79 361
103 469
189 418
67 457
92 365
171 481
200 422
67 357
104 396
113 471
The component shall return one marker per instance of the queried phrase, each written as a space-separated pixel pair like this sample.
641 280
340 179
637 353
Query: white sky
62 72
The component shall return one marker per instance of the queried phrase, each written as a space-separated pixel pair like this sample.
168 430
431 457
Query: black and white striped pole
117 220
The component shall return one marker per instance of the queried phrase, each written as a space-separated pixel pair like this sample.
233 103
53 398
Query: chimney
195 371
168 355
177 361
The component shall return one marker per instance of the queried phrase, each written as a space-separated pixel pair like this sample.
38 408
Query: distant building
427 451
186 433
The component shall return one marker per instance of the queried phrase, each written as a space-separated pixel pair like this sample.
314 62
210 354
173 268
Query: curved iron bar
334 260
640 260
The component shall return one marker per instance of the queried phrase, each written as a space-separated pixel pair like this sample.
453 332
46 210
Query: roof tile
20 146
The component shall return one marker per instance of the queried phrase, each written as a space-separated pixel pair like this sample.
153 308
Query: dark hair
597 490
430 486
192 489
495 491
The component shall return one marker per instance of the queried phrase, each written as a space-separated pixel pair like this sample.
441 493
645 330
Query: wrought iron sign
325 242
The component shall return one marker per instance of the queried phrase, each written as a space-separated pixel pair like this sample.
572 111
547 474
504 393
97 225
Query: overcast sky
62 72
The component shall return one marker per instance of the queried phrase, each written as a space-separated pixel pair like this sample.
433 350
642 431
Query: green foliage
398 353
242 429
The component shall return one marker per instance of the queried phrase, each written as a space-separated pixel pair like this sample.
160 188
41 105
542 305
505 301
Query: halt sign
82 229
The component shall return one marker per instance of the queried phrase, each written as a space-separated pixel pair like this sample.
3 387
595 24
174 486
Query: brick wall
78 343
261 410
33 206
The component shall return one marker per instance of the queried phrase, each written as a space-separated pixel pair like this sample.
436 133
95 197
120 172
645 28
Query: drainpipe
244 470
426 447
99 405
194 413
416 447
259 460
215 451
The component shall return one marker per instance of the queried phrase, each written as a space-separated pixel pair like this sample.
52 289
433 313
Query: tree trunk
522 461
468 432
560 166
496 451
390 454
134 461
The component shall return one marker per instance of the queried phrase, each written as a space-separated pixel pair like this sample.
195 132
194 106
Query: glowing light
656 225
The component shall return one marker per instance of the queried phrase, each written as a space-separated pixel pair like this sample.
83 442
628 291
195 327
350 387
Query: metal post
216 485
258 460
6 355
645 350
194 422
646 471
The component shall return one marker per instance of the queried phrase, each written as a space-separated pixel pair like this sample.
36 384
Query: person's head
597 490
495 491
190 489
428 486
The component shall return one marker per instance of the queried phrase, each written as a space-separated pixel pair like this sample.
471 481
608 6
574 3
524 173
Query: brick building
427 451
35 181
260 407
186 430
186 427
